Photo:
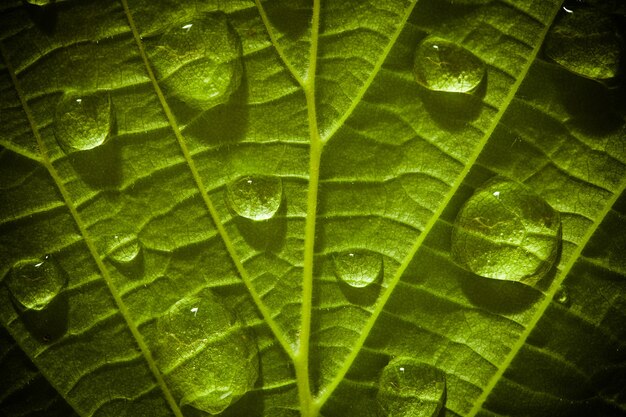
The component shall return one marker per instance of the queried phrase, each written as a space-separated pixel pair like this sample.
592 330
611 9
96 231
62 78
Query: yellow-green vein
89 242
202 189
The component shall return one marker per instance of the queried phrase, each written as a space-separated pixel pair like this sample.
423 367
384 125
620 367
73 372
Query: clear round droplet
410 388
358 268
34 283
586 43
255 197
562 296
83 121
199 61
125 248
505 231
207 356
441 65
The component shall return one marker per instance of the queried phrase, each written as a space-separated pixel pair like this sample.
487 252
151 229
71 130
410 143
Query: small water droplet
562 296
40 2
125 248
206 354
34 283
409 388
585 42
83 121
255 197
358 268
441 65
512 236
199 62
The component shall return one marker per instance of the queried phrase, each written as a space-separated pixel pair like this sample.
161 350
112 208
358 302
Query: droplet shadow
292 18
266 235
44 17
48 324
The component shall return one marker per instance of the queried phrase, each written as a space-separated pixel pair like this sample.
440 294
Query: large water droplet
199 62
358 268
409 388
255 197
125 248
441 65
506 232
208 358
586 43
83 121
34 283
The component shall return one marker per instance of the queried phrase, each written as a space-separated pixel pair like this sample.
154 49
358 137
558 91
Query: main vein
47 163
301 362
203 192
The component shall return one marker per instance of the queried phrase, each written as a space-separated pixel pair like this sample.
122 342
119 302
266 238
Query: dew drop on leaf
441 65
505 231
199 61
34 283
410 388
562 296
83 121
255 197
358 268
125 248
208 358
586 43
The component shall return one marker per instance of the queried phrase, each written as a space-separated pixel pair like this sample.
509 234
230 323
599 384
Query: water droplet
358 268
40 2
255 197
199 62
409 388
207 356
562 296
512 235
585 42
34 283
441 65
83 121
125 248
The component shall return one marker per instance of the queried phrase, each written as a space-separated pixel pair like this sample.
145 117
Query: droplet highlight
585 42
125 248
208 358
562 296
409 388
358 268
83 121
441 65
504 231
34 283
199 61
255 198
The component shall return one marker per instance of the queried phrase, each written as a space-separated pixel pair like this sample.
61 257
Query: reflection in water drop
208 358
255 197
125 248
83 121
441 65
358 268
586 43
199 62
506 232
34 283
409 388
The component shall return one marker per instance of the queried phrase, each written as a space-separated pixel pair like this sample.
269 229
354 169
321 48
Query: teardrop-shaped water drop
358 268
199 61
207 356
83 121
410 388
255 197
34 283
505 231
586 43
441 65
125 248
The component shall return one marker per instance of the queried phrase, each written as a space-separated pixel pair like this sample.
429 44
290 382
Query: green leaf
269 208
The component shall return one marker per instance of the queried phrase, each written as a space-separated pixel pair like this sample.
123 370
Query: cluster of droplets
504 231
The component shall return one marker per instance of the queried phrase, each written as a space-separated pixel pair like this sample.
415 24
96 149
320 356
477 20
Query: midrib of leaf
202 189
549 295
45 161
327 391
